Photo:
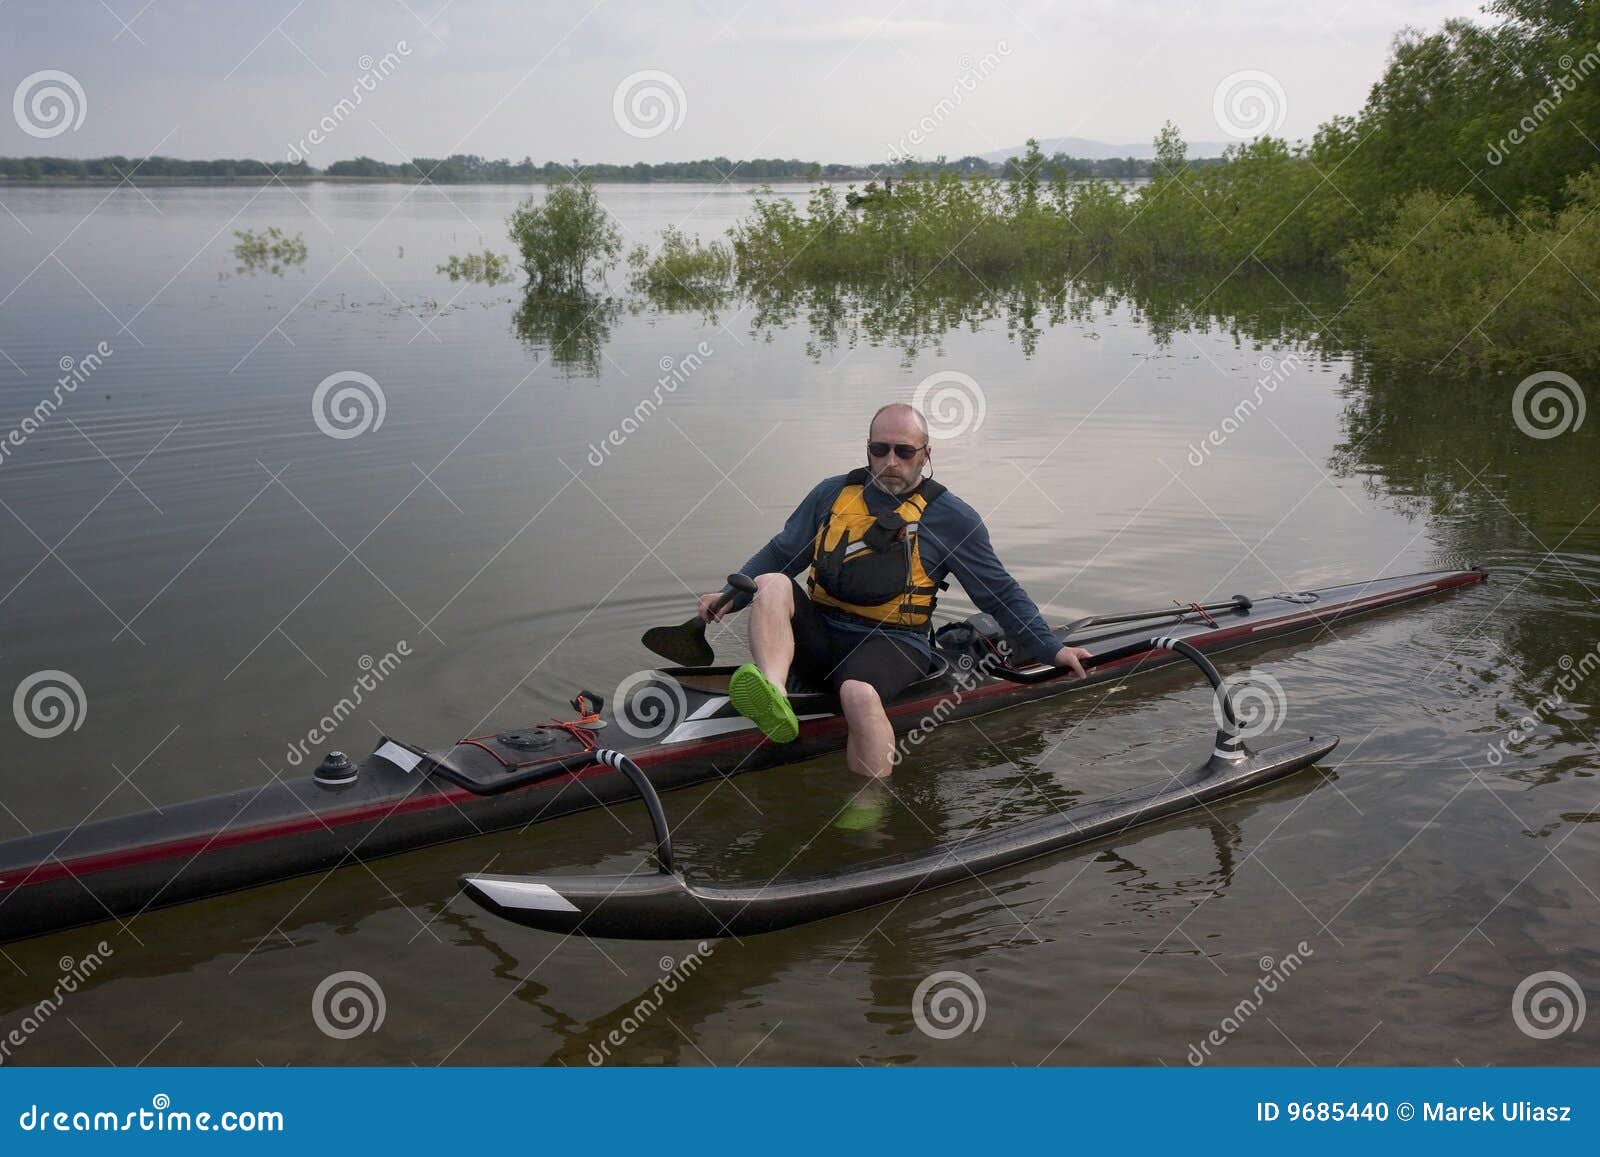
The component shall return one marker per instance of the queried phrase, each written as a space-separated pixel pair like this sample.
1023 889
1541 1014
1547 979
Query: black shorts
825 658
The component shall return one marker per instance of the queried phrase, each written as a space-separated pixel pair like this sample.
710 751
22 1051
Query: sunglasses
902 451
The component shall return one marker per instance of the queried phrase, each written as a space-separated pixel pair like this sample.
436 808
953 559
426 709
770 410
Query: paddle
1236 603
685 644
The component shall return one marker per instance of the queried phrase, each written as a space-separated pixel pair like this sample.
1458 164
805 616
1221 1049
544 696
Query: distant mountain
1100 151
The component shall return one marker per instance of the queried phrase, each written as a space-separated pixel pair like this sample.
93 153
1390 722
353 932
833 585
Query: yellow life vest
870 565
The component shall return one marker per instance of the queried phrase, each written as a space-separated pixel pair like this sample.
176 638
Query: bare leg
871 742
771 631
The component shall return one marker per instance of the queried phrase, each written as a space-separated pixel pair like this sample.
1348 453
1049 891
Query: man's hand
707 602
1072 657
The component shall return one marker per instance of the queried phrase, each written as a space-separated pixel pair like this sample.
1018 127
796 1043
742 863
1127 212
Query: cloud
848 32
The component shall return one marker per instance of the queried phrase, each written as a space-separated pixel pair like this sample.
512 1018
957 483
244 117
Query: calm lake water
215 571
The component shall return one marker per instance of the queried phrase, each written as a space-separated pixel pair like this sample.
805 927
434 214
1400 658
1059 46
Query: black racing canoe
403 797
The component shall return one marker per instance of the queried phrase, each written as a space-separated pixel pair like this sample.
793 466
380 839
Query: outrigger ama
665 906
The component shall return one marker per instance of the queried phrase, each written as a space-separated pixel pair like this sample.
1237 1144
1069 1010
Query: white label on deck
405 760
697 728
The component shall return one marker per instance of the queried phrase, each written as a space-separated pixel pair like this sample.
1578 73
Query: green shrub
1454 288
488 268
271 250
682 265
564 236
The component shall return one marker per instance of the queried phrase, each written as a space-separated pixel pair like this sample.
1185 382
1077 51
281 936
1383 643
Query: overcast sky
831 80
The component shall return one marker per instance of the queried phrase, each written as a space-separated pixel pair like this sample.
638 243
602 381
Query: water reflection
571 327
917 315
659 1019
1451 455
486 268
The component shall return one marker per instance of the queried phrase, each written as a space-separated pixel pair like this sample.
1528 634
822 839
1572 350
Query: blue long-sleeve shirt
953 541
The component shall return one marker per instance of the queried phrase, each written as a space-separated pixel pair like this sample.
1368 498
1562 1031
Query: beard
891 483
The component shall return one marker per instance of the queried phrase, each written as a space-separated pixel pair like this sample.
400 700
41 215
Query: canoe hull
122 867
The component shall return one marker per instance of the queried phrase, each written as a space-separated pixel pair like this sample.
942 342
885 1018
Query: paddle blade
684 645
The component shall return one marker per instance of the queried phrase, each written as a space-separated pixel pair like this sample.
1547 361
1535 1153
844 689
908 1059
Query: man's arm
963 541
789 551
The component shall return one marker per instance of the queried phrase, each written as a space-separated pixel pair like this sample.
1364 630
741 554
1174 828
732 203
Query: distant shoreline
474 170
257 180
319 179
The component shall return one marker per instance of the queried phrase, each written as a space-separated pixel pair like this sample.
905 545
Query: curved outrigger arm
662 905
1230 743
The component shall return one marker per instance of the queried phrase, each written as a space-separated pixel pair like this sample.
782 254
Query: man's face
895 474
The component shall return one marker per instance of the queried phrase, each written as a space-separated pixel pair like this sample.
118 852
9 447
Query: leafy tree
562 237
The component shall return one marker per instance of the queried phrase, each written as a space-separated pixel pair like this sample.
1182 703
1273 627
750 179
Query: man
879 542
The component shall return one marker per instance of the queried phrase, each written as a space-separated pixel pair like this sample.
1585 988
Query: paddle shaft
1237 603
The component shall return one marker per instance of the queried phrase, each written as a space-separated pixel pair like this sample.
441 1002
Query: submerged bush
924 224
564 236
682 264
1264 202
487 268
270 251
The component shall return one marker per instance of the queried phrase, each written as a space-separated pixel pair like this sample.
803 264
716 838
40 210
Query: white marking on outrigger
522 894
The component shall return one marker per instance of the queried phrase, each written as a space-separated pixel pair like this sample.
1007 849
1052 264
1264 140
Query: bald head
898 425
897 414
